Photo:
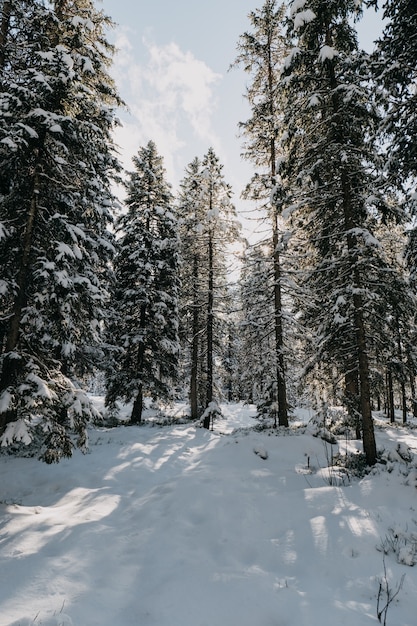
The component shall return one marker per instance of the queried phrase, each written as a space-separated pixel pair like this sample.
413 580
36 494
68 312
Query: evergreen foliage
261 52
330 165
144 331
207 225
57 164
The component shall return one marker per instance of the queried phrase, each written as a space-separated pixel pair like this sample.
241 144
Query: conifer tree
261 52
207 224
57 164
220 228
145 299
331 160
191 217
257 329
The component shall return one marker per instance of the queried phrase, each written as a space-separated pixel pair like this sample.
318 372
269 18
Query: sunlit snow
178 525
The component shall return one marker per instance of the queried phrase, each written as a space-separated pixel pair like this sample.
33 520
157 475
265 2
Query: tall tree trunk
195 344
352 399
11 364
279 334
229 367
368 434
210 322
390 398
412 386
402 381
137 409
369 444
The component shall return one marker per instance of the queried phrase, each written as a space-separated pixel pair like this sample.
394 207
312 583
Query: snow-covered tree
207 225
144 332
191 216
257 362
261 52
331 164
220 228
57 164
395 70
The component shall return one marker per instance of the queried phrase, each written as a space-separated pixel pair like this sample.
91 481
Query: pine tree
257 329
193 276
261 52
57 163
331 161
219 229
145 299
207 224
395 70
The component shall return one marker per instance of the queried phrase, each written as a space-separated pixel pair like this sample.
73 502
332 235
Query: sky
173 71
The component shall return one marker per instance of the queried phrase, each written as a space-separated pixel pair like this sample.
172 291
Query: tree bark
352 398
195 344
368 434
210 322
11 363
279 334
136 415
390 398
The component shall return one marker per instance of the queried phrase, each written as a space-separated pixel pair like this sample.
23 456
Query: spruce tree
144 332
261 52
57 163
331 160
220 228
208 224
193 276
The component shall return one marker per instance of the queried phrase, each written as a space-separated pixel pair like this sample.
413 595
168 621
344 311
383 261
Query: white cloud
171 99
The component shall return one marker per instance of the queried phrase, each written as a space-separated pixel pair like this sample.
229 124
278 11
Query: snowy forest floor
180 526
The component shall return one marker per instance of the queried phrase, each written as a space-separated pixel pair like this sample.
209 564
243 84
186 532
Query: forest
138 296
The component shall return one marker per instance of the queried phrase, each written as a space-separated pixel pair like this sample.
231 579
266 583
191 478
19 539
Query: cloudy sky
172 70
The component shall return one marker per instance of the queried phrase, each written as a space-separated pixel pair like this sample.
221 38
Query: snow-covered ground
180 526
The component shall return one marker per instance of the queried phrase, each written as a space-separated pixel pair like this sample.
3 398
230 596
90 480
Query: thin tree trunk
195 344
390 397
413 389
11 364
279 334
402 381
210 321
229 367
137 409
369 444
352 399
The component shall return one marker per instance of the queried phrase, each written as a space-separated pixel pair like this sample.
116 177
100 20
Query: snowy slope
178 526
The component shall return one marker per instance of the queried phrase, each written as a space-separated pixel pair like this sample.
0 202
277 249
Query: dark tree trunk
210 323
413 391
279 334
352 399
11 364
195 344
136 415
390 398
368 434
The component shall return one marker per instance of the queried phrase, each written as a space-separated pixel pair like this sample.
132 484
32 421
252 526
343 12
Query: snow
297 5
303 17
177 525
327 52
16 431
